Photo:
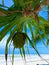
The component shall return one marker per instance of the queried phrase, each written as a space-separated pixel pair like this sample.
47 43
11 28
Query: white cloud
3 42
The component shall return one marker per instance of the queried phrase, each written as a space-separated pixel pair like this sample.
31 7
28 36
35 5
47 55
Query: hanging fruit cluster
19 39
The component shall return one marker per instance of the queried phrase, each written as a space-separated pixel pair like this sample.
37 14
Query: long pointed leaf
13 57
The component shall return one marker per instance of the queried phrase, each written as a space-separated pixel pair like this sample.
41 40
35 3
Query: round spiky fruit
19 39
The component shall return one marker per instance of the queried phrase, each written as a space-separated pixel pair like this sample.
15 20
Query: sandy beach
30 60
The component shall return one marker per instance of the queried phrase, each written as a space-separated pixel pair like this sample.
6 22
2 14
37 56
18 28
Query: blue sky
7 2
40 46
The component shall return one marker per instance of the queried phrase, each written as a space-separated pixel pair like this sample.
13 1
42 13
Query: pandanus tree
16 20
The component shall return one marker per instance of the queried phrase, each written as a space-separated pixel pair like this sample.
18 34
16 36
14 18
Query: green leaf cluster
20 17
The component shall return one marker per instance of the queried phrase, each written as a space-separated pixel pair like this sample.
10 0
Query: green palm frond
20 17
